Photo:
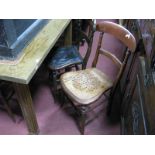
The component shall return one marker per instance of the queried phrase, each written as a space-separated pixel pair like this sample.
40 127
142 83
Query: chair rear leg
114 105
78 67
7 108
54 84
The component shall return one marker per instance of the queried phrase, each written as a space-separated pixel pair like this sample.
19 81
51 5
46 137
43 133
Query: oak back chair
86 86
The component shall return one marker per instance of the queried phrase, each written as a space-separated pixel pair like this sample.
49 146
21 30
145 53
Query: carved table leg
26 104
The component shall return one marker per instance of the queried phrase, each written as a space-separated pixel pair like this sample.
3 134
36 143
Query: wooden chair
68 57
80 25
6 93
84 87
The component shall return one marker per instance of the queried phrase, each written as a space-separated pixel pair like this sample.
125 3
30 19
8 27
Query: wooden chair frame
127 39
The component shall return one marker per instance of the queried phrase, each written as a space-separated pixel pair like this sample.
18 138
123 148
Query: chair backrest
91 30
121 34
88 37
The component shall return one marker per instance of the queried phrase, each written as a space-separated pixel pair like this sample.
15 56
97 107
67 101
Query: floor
51 117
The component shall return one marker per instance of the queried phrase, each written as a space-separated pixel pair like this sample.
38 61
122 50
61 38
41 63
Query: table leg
26 104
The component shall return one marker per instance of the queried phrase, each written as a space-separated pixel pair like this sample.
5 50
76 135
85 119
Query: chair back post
87 55
98 49
89 39
120 73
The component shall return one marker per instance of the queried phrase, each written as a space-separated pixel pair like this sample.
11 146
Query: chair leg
69 68
54 83
7 108
113 96
77 67
82 119
62 98
82 124
10 113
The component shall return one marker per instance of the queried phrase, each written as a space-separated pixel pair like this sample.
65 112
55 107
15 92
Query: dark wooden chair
6 93
67 58
84 87
81 25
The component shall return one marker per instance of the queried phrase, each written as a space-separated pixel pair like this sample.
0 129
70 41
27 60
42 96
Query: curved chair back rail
119 32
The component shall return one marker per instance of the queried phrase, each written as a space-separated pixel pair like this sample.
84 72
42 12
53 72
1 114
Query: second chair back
88 37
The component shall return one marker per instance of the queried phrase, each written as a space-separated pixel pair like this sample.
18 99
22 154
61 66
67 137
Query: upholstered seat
65 56
85 86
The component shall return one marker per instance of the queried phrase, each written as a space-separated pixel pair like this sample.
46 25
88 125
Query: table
22 71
